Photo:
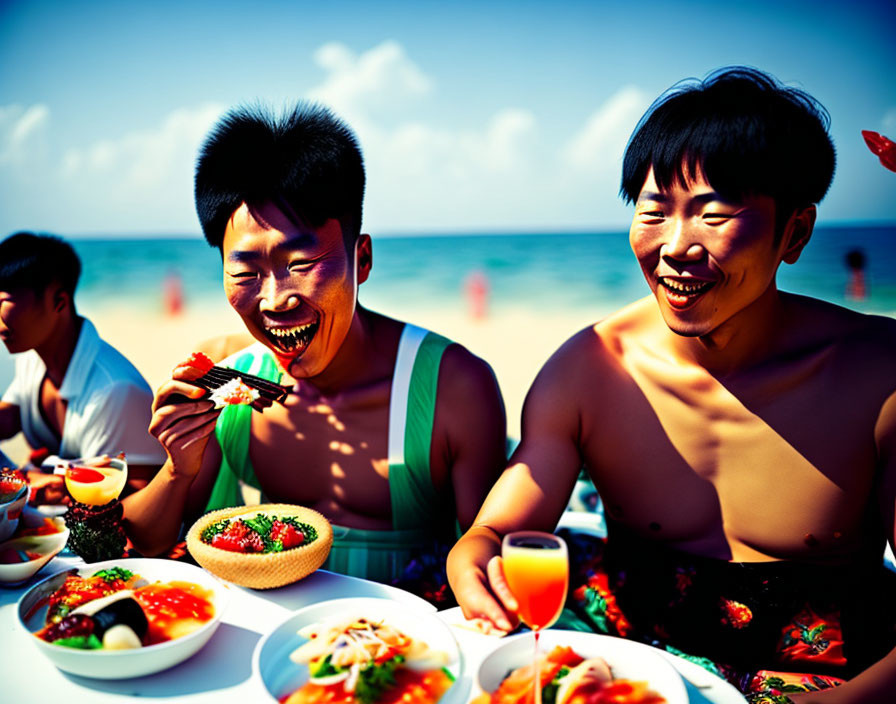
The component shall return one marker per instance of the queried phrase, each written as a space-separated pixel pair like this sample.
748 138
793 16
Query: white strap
411 338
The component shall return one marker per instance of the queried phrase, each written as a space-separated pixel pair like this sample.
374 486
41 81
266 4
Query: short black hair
306 160
33 262
748 133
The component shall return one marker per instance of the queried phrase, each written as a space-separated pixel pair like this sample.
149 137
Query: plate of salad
360 650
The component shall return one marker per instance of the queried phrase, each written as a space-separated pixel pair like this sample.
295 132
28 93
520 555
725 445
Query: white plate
120 664
280 676
627 660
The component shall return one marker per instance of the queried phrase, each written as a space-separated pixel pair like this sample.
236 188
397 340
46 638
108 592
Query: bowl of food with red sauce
36 540
13 497
123 618
360 649
262 547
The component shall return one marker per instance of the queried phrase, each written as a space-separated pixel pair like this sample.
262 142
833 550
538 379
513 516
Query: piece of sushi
210 377
233 392
118 620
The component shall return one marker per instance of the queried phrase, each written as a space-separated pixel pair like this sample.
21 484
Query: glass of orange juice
97 481
536 567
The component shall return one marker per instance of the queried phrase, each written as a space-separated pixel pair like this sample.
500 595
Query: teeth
290 338
289 332
683 288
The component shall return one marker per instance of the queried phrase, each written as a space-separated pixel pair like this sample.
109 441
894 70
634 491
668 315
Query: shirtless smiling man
394 433
743 439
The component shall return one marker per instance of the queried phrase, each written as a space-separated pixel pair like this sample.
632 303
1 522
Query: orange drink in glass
536 567
96 482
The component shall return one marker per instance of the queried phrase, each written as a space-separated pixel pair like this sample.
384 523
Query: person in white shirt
73 394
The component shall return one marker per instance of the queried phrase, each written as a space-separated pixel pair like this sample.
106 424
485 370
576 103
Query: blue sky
495 116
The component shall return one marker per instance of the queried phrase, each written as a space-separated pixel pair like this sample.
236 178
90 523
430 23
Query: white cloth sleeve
119 422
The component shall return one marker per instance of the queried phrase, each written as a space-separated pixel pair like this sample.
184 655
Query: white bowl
10 512
280 676
44 545
120 664
627 660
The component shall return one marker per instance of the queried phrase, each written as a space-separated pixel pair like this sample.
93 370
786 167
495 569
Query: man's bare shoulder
857 338
598 349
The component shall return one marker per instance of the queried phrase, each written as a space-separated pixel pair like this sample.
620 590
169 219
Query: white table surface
221 673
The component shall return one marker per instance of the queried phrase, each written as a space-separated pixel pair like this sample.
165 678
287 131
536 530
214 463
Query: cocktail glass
96 481
95 516
536 566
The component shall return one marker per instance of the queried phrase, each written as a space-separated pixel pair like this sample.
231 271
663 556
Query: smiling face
294 287
706 258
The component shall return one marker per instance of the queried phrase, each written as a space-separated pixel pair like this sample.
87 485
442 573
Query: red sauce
174 609
84 475
410 686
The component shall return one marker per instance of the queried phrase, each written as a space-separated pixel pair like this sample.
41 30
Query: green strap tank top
420 517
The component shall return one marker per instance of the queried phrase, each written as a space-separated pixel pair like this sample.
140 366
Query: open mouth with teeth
291 341
681 294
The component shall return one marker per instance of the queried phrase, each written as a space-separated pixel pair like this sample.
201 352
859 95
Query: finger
192 414
173 392
498 583
183 434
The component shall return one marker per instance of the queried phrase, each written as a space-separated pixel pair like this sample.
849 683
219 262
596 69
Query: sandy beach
515 342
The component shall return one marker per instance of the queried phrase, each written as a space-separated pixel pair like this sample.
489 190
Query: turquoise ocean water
540 273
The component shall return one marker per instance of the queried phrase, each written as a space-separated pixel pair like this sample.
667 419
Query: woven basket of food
263 546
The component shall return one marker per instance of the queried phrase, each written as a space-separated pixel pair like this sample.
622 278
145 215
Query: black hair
747 133
33 262
307 161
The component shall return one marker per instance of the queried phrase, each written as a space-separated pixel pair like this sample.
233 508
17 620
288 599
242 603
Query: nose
682 242
277 296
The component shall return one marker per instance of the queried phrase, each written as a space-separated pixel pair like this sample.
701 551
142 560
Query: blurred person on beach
856 287
476 288
73 395
742 439
393 432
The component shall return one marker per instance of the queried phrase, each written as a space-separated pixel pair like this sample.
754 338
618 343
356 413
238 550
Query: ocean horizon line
439 233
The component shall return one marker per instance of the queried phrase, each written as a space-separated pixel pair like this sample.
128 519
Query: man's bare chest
767 465
323 455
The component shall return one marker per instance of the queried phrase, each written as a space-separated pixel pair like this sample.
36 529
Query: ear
797 233
60 299
364 257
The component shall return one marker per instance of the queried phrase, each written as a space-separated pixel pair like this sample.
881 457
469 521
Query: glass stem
537 692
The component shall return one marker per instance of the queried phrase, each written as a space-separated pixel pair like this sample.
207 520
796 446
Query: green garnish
261 524
90 642
549 691
113 573
214 529
326 668
376 679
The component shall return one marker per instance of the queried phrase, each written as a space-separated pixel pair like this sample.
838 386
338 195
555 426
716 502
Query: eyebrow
302 240
708 197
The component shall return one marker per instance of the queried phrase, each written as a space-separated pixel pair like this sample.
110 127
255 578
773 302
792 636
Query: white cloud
358 83
148 158
600 143
20 129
